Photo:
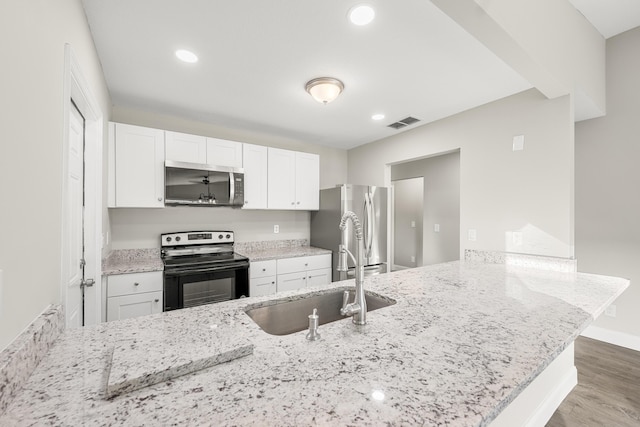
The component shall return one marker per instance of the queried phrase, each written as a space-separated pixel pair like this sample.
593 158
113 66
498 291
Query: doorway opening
425 224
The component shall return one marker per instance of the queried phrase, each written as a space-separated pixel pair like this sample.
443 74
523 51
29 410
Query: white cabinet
183 147
133 295
136 166
262 278
254 160
293 180
302 272
221 152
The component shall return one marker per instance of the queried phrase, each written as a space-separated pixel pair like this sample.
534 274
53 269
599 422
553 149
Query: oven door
187 287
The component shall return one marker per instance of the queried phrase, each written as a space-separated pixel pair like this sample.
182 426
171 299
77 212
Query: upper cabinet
293 180
273 178
182 147
136 157
221 152
254 159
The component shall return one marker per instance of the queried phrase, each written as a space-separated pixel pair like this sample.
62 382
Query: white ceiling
256 56
610 17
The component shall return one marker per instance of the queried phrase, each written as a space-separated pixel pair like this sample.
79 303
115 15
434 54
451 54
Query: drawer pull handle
136 284
156 300
264 269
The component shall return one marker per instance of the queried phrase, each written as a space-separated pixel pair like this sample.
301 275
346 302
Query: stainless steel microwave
195 184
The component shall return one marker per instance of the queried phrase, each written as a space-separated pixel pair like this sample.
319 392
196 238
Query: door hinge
82 263
87 283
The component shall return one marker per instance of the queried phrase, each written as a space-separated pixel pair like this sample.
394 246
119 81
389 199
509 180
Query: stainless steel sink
284 317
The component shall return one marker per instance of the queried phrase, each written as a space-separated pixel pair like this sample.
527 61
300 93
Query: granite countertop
461 342
123 261
279 253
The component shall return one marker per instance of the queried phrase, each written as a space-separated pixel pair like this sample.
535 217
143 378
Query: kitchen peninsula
462 341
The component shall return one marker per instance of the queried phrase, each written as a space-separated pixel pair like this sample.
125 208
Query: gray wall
33 37
140 228
501 191
608 183
441 204
407 222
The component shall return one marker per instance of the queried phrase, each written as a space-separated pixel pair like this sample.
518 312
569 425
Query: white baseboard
612 337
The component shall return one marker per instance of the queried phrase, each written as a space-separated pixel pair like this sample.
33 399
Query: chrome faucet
358 308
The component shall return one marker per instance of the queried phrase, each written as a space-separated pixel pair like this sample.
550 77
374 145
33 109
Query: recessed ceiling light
377 116
362 14
186 56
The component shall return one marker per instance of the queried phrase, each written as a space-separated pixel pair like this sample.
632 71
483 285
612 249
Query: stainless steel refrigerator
370 204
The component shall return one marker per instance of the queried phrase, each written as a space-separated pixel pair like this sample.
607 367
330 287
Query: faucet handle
345 300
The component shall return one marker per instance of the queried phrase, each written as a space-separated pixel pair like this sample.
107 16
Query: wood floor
608 390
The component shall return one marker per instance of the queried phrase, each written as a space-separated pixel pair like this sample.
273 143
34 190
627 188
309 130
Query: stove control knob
220 236
178 239
228 236
168 239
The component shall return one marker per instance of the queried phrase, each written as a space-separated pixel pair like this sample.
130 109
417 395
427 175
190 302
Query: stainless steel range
201 267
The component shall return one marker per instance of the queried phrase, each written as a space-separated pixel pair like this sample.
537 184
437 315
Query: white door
254 159
75 220
307 181
281 180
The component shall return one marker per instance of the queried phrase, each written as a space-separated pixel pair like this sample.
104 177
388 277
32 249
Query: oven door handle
182 271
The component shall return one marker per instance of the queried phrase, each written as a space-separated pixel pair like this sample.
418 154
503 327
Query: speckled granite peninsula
463 340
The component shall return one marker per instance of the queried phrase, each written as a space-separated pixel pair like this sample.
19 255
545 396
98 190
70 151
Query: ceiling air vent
404 122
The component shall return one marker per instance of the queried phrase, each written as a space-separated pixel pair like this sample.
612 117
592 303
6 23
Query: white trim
77 88
535 405
621 339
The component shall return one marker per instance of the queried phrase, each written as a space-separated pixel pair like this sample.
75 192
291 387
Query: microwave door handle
232 188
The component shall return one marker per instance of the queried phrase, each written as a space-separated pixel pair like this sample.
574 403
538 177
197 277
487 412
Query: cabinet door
262 286
319 277
307 181
291 281
128 306
254 160
221 152
282 179
182 147
139 166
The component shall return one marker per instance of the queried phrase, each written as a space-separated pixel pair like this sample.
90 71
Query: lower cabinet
262 278
303 272
134 294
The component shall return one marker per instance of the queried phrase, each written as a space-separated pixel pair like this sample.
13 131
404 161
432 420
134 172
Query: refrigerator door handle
368 229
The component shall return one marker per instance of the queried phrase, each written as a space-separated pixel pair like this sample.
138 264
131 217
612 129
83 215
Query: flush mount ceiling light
186 56
324 89
377 116
362 14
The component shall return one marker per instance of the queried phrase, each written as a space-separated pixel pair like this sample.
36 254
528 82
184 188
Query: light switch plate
436 228
413 224
518 143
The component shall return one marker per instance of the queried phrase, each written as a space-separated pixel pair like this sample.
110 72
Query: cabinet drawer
134 283
319 277
262 286
314 262
262 268
291 281
128 306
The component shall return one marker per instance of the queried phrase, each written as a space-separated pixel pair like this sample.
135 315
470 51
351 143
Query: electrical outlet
517 238
0 293
276 229
436 228
610 311
413 259
413 224
472 235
